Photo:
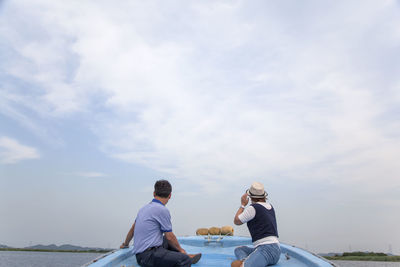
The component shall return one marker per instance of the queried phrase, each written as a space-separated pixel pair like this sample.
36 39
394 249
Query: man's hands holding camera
244 200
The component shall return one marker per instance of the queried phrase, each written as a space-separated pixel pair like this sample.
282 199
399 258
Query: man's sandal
237 263
195 258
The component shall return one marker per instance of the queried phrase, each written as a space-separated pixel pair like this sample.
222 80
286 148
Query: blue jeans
261 256
163 256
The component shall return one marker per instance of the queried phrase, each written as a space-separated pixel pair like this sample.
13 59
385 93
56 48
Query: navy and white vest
263 224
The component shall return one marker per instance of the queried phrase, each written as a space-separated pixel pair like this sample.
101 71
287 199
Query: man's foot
195 257
237 263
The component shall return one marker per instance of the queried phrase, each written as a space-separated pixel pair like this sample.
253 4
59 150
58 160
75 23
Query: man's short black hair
162 188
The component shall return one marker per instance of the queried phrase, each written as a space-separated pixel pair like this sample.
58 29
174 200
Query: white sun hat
256 191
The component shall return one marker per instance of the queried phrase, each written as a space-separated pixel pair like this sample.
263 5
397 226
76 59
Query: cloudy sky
99 100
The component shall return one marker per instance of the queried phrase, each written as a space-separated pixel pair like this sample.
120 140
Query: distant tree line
364 256
359 253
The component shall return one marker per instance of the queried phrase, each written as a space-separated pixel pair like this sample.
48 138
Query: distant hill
62 247
53 247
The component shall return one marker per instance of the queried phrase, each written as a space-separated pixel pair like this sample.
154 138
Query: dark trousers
164 256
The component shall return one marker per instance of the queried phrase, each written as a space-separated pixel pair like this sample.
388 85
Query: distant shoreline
54 250
364 258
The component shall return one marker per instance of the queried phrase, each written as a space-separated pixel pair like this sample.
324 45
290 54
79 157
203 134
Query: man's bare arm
244 201
236 220
129 237
170 236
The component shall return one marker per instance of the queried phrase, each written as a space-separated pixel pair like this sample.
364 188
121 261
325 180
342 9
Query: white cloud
223 91
11 151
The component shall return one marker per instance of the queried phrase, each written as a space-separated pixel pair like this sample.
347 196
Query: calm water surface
366 264
44 259
64 259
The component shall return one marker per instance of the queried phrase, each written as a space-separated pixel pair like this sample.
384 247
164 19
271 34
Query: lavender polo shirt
152 221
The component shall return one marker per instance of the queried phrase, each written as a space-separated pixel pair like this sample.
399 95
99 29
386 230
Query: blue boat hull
217 251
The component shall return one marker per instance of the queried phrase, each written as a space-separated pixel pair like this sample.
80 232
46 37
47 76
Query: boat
216 251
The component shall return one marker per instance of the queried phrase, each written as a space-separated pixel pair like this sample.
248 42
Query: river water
44 259
65 259
366 264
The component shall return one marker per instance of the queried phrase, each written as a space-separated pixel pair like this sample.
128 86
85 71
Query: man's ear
154 194
169 195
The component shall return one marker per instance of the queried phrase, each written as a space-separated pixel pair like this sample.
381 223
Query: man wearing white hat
261 221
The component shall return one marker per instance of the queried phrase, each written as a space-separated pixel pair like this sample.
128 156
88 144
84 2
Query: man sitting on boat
154 242
261 221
